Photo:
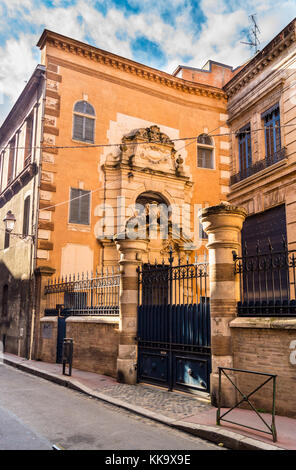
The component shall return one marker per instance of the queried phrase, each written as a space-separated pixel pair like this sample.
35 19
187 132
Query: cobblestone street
173 405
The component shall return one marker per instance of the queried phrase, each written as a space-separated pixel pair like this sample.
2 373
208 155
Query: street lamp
9 222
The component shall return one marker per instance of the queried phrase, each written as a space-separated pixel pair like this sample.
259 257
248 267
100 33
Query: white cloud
219 37
16 65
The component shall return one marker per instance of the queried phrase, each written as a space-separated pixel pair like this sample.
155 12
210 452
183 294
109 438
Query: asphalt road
35 414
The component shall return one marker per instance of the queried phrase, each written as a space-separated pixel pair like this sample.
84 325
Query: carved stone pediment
150 149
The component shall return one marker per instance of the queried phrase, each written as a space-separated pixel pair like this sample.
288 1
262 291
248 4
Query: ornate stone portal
148 168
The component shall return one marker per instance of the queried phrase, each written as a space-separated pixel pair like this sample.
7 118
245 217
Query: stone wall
95 343
264 345
48 339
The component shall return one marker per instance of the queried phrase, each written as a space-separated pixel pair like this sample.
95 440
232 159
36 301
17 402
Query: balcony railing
258 166
267 282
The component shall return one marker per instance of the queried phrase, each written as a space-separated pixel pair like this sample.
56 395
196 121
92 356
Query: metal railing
173 284
258 166
245 399
84 294
267 282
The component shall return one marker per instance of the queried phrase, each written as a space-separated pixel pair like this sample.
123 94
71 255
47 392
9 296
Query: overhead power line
45 147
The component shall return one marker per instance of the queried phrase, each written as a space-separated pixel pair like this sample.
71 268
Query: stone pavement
190 413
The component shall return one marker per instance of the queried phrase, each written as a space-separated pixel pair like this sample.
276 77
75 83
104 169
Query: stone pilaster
41 279
131 252
223 224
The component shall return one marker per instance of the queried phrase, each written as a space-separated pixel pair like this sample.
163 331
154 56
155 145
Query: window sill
78 227
204 168
85 142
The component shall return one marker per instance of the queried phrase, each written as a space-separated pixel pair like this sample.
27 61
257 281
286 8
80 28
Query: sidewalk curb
215 434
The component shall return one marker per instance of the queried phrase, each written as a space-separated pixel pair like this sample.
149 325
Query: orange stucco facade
126 96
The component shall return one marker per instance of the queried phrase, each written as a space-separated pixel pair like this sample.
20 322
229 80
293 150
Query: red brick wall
95 345
267 350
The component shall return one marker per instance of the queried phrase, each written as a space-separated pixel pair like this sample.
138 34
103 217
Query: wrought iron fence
174 302
173 284
84 294
258 166
267 282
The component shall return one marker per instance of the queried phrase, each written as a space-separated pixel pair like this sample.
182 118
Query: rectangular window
6 240
11 161
245 149
79 206
83 128
29 138
1 170
205 158
272 130
26 219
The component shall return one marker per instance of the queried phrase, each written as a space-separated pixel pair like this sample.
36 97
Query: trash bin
67 357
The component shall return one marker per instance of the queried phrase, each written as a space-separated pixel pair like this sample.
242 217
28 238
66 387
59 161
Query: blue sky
159 33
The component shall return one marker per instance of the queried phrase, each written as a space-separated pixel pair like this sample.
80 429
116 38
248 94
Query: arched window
84 122
155 202
205 151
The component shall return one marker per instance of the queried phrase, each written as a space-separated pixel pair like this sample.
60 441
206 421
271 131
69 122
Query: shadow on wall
15 312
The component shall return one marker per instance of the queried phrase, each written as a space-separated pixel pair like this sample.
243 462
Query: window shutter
84 207
6 239
89 129
29 135
78 127
79 206
26 220
74 206
268 140
11 161
205 159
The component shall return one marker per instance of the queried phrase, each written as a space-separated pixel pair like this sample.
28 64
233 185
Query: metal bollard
67 357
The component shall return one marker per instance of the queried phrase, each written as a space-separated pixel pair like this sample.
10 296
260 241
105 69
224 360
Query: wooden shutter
268 140
26 219
205 159
29 136
11 161
89 129
277 132
74 206
78 127
79 206
6 239
84 207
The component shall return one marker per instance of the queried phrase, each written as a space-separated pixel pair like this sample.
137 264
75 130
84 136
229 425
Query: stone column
223 224
39 304
131 252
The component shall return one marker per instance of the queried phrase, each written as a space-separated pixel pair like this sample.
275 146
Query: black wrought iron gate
174 326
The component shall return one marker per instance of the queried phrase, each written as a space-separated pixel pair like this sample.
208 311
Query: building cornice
19 109
75 47
261 60
244 104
